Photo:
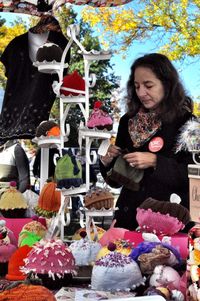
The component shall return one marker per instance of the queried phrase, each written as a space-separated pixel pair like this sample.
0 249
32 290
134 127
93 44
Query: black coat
169 176
29 94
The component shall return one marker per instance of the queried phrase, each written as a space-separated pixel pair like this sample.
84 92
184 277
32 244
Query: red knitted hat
16 261
73 81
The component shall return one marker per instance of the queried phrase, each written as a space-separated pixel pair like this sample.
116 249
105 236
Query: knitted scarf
143 126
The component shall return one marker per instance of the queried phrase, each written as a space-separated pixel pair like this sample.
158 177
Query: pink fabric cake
99 118
162 217
50 257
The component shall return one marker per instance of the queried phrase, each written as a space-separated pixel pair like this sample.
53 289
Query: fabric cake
52 261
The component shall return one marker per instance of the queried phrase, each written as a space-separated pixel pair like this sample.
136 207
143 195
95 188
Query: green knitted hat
29 238
68 171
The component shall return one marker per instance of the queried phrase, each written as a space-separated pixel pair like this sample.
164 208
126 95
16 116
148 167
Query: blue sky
189 71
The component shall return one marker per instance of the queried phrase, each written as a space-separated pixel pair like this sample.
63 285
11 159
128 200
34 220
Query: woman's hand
141 160
112 152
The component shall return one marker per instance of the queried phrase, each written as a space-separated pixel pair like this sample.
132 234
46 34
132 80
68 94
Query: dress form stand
35 40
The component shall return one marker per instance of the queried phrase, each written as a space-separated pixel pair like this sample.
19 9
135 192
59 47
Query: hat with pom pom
12 199
49 200
44 127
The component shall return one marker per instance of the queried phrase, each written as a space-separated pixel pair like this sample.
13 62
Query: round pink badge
156 144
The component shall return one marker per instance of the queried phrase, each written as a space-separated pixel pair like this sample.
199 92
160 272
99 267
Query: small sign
156 144
194 179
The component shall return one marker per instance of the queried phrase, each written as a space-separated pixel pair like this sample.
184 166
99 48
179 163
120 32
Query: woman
157 109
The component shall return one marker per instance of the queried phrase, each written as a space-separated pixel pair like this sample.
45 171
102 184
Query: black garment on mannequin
29 95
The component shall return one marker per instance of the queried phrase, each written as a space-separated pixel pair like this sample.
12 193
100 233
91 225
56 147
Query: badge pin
156 144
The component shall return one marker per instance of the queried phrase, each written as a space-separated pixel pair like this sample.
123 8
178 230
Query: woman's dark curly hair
175 102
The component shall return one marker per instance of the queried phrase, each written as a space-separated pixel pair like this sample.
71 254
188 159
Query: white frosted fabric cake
84 252
116 271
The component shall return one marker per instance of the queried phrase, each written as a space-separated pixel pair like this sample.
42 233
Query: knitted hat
100 118
34 227
29 238
54 131
26 292
162 217
49 200
84 250
122 174
12 199
111 235
49 52
48 259
44 127
68 171
73 81
116 272
122 246
99 198
16 261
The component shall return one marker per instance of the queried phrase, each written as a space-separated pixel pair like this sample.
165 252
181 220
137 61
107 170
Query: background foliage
172 25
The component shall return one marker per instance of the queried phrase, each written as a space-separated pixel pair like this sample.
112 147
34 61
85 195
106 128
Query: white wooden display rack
195 153
82 99
48 67
45 143
89 217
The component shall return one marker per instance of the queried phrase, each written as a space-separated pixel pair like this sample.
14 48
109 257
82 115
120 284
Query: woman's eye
149 87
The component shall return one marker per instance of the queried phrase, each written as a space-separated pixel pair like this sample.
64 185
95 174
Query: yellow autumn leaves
174 25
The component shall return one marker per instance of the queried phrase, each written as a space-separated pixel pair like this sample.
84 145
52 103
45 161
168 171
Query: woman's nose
141 91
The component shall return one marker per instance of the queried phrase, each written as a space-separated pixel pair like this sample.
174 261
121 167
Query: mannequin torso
35 40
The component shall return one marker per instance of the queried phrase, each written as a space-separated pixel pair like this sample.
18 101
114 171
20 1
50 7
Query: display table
86 294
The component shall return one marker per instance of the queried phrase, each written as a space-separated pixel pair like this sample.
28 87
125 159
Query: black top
29 95
51 165
170 175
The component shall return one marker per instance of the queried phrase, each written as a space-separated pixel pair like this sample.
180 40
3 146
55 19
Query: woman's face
149 88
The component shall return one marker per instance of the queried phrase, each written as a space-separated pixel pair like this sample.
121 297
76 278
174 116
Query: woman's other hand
141 160
112 152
